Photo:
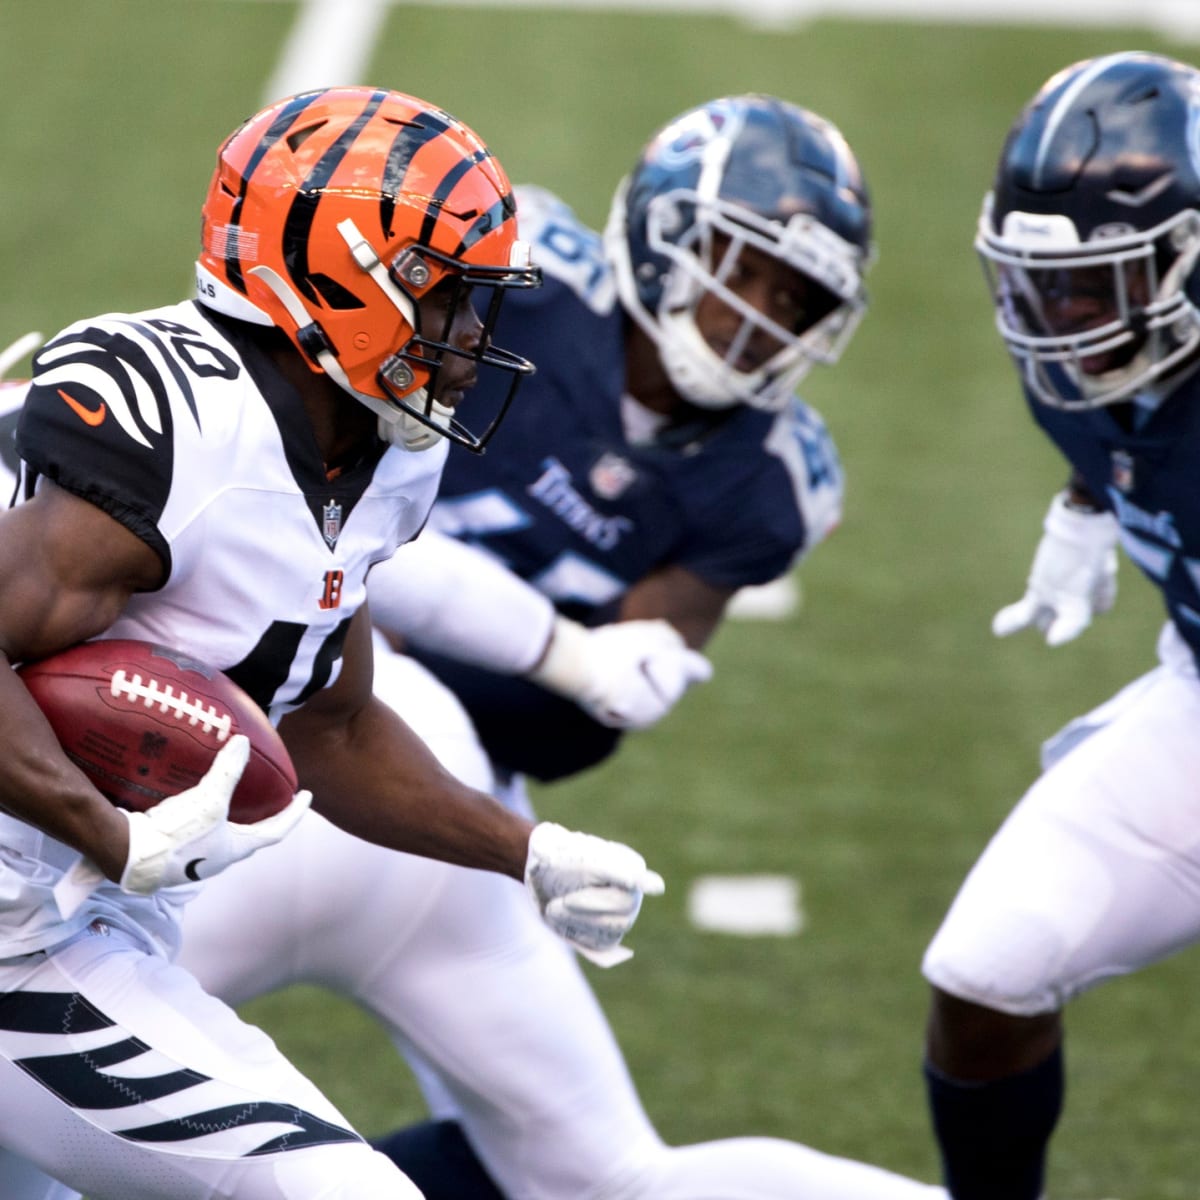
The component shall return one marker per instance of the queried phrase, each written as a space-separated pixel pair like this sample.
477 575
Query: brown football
144 722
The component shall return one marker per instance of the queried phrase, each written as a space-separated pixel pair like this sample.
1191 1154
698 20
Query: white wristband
566 666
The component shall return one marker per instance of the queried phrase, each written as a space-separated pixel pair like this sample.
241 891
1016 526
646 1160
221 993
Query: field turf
866 746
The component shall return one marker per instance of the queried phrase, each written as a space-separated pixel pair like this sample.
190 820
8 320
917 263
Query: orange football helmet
331 213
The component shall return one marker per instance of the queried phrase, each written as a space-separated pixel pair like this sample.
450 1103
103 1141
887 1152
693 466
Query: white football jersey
179 427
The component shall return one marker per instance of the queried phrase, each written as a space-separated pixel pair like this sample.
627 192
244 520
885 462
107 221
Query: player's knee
1010 962
971 1042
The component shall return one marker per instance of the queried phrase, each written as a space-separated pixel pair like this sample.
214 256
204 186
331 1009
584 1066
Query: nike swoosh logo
89 416
190 869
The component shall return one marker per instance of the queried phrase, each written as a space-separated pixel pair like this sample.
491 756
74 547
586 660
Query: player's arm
451 599
372 776
632 672
677 595
66 571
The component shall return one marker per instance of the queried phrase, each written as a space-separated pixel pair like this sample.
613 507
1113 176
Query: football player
219 476
1090 237
659 460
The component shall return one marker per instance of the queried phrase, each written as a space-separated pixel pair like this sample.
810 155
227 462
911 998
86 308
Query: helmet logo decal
1151 191
685 141
1063 108
232 243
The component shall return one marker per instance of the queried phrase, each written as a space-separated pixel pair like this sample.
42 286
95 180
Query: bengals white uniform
117 1072
490 1007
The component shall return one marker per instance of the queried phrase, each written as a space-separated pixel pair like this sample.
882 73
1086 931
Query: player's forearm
1079 496
39 784
374 778
455 600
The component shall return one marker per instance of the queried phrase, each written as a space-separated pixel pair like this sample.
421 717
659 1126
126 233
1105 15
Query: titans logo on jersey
583 504
1145 464
175 424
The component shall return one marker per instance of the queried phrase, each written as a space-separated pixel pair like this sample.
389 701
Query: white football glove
187 837
588 890
1073 578
626 675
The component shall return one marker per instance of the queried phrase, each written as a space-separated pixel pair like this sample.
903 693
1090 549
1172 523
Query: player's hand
626 675
1074 576
588 890
188 837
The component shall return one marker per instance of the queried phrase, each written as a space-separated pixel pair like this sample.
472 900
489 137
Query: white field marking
340 22
746 905
330 43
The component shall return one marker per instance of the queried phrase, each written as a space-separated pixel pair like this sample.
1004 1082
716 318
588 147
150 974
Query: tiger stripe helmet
332 212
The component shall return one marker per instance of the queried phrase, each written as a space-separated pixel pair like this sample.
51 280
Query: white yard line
328 29
746 905
330 43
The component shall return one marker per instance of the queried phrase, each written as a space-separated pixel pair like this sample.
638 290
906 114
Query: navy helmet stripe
282 124
409 140
304 207
486 222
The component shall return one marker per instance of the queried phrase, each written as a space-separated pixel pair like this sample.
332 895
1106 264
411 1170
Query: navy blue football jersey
1145 466
582 510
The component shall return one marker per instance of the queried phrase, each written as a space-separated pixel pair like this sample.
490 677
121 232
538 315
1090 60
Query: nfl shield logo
611 475
1122 471
332 524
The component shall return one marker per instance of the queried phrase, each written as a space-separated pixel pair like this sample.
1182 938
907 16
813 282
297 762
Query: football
144 722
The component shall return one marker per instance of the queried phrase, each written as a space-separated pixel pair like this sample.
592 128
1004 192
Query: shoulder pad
803 444
565 248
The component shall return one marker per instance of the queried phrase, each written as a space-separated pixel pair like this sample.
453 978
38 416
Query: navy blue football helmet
741 171
1091 233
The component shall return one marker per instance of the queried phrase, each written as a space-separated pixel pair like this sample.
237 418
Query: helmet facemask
1092 323
705 257
409 376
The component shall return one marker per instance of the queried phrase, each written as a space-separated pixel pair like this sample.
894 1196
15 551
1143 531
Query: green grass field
868 745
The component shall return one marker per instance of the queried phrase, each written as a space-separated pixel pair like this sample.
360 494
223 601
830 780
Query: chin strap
396 427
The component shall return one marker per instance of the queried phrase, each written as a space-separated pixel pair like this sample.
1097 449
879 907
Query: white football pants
460 969
124 1079
1096 872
